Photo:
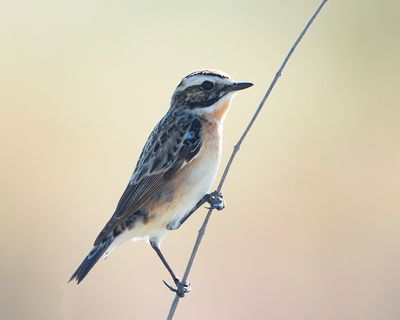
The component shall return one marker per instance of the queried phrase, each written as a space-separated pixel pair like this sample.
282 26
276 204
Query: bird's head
207 93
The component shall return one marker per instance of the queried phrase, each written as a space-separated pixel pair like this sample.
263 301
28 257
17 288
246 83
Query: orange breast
220 112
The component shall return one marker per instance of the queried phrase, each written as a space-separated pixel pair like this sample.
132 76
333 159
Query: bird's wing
174 142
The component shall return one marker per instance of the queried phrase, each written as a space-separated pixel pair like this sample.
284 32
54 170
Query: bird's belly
184 191
193 186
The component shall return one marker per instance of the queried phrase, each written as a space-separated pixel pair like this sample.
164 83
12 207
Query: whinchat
175 170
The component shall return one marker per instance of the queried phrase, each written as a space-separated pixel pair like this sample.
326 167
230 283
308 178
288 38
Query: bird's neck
219 113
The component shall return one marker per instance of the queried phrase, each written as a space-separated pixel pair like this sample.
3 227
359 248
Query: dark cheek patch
195 97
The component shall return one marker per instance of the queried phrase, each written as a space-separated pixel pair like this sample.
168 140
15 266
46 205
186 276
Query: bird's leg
181 287
215 199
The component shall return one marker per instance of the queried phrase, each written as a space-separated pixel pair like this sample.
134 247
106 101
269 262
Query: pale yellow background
312 225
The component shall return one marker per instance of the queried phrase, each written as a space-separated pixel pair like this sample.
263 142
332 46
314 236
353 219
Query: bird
175 170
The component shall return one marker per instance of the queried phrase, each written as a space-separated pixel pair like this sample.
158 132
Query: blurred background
311 228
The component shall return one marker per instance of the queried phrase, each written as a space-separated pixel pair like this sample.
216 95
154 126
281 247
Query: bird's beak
236 86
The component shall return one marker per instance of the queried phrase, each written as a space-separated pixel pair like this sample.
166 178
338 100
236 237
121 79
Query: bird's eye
207 85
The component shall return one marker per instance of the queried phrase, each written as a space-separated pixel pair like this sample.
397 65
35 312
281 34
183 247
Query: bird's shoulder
174 141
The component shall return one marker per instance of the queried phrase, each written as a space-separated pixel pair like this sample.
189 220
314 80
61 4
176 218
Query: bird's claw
181 287
215 199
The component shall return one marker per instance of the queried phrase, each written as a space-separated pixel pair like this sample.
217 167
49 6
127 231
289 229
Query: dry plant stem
235 150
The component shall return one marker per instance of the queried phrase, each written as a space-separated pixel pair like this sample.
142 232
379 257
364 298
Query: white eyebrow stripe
199 79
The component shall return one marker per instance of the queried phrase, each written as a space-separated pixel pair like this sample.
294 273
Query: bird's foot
216 201
182 287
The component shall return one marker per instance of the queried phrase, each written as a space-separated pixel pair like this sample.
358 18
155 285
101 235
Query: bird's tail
88 263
